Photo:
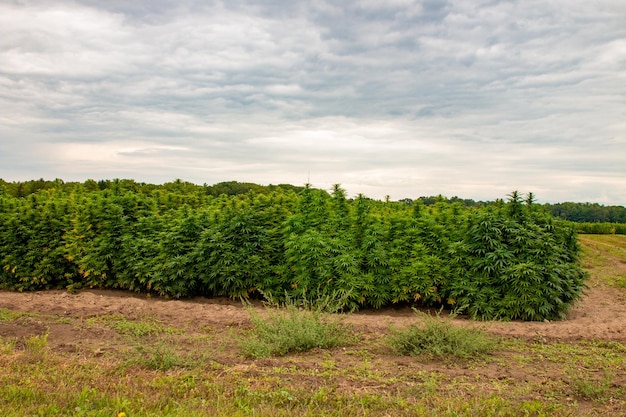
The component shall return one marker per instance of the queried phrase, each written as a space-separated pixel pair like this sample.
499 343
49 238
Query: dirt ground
600 314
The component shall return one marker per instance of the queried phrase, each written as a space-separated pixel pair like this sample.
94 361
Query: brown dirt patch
600 314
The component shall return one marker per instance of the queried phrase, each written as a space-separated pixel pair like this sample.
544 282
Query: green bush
516 264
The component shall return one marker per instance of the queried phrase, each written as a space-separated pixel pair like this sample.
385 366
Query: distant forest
575 212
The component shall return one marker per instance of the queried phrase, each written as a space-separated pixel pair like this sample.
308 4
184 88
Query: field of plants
104 353
504 260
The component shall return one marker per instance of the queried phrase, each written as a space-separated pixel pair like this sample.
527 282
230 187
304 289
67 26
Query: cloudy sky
395 97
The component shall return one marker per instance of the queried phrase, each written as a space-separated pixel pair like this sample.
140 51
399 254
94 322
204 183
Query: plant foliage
502 260
293 329
439 337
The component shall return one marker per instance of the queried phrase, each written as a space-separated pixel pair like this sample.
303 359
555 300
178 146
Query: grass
159 357
36 344
293 329
440 338
165 356
587 387
144 327
10 315
605 255
7 345
620 281
209 393
159 377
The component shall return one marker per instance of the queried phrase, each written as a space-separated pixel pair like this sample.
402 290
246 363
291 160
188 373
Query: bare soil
599 315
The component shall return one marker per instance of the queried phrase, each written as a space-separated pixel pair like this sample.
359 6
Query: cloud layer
400 98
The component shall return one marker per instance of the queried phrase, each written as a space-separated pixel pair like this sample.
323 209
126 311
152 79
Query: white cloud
404 98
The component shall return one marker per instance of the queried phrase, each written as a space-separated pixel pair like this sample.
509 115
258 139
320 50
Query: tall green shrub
516 265
229 257
32 246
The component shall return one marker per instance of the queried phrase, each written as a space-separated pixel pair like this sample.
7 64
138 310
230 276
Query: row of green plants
574 212
603 228
506 260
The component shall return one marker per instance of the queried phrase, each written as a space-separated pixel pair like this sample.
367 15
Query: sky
402 98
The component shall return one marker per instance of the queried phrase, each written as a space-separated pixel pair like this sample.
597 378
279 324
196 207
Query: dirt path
601 314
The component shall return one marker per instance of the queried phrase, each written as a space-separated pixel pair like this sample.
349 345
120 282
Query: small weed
122 325
247 397
293 329
36 344
438 337
587 388
362 353
7 345
64 320
611 346
619 281
159 358
9 315
20 394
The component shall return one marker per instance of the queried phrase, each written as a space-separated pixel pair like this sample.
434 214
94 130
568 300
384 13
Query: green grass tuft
9 315
293 329
141 328
159 358
7 345
36 344
439 337
589 388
